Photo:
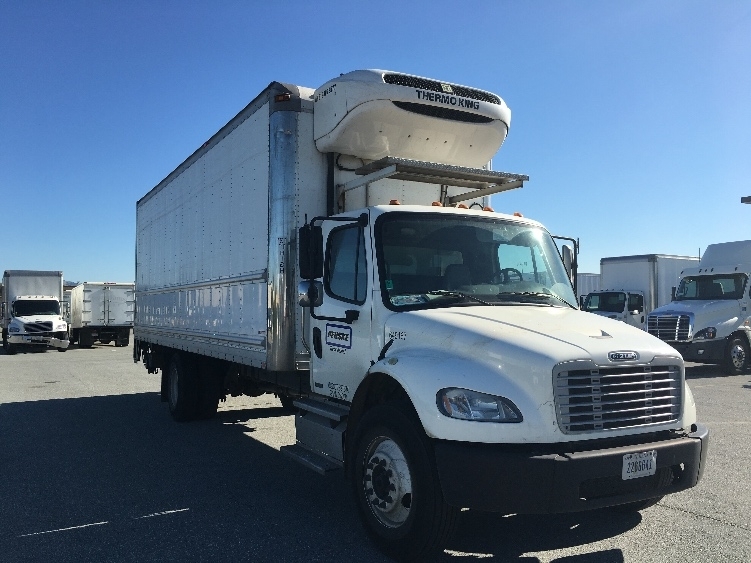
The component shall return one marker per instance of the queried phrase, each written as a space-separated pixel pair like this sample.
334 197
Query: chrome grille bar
600 399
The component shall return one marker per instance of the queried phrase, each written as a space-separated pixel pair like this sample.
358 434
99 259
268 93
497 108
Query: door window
346 271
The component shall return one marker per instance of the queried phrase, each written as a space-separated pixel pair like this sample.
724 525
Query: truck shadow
115 479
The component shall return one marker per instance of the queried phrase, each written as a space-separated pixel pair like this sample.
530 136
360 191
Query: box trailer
31 311
335 247
101 312
632 286
709 321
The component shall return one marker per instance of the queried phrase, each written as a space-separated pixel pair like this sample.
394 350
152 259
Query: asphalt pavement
94 469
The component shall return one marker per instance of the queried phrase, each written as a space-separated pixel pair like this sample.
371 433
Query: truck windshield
439 260
28 307
711 288
605 302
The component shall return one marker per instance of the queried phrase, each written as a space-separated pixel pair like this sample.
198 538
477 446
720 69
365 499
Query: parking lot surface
94 469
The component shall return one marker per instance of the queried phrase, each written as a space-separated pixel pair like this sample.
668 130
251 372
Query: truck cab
35 320
709 320
622 305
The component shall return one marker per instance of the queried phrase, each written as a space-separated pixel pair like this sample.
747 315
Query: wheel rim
387 482
738 356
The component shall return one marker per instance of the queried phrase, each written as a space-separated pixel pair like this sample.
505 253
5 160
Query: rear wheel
182 389
737 356
396 488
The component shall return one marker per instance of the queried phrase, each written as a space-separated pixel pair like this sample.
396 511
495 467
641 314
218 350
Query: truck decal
448 100
338 391
338 336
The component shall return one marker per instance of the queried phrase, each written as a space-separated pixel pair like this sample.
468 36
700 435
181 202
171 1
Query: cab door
341 325
635 310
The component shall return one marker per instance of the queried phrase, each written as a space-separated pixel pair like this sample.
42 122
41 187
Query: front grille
32 328
444 113
671 328
600 399
436 86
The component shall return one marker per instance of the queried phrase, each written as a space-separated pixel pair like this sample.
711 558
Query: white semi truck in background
103 312
335 247
709 321
632 286
31 312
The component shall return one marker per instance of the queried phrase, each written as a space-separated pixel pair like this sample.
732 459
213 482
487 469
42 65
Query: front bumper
531 480
702 351
36 340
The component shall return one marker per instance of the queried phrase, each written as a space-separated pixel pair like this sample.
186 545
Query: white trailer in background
314 248
101 312
31 311
585 284
632 286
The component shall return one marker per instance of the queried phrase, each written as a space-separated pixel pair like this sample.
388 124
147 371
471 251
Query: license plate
642 464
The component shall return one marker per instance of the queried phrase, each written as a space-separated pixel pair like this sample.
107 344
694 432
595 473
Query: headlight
14 329
471 405
706 334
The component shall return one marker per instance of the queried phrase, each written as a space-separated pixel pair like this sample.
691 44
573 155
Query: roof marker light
437 204
517 214
395 202
488 208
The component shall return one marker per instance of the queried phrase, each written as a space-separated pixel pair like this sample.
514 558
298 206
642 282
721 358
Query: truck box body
101 311
709 321
31 310
334 247
632 286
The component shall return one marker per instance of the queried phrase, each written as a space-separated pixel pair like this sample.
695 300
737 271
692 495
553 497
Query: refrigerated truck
335 247
709 321
30 311
101 312
633 286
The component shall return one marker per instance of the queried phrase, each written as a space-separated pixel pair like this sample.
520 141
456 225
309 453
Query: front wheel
396 488
737 356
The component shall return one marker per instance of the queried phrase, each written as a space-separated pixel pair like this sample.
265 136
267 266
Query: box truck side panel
213 217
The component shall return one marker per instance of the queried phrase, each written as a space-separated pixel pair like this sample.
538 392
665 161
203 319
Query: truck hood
523 333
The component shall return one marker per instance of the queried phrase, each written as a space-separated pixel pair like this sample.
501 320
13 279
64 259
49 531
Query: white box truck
31 313
334 247
632 286
709 321
103 312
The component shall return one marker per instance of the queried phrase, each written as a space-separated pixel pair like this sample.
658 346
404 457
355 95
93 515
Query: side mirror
310 293
310 252
568 260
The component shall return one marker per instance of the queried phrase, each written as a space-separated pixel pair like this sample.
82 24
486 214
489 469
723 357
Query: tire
62 349
396 488
737 356
210 387
182 389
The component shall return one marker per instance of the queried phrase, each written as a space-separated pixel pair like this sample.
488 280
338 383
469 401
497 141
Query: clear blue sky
632 119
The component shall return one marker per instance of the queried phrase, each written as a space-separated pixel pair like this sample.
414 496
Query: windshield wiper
458 294
516 295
